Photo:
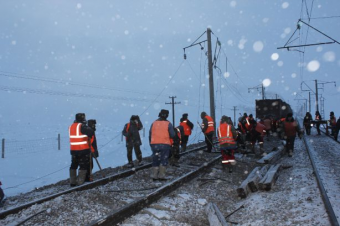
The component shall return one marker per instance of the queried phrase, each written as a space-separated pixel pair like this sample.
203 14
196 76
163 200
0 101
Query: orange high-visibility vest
160 133
78 140
210 124
187 129
225 136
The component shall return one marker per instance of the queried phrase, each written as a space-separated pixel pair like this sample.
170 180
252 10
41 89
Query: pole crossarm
298 27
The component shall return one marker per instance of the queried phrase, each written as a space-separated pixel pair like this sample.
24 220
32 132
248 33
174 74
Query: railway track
325 157
117 196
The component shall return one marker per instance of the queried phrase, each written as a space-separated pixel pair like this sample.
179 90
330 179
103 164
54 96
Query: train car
275 108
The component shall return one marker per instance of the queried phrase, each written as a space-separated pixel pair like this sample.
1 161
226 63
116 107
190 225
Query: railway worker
187 127
80 135
291 128
208 129
2 195
249 125
307 121
332 122
257 134
161 131
133 140
337 128
280 129
175 143
318 118
227 140
94 149
267 122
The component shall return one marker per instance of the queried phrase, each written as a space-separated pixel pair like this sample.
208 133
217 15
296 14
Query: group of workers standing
167 141
332 123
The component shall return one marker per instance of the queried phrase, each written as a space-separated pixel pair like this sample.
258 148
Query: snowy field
33 160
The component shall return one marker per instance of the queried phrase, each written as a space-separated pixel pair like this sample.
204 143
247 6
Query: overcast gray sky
126 57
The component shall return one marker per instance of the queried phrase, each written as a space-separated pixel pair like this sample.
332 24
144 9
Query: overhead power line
63 82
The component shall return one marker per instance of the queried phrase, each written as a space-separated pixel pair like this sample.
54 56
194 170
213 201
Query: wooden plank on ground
270 178
250 184
272 157
215 216
253 184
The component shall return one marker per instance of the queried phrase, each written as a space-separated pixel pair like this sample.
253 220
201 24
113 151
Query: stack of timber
270 178
273 156
261 178
250 184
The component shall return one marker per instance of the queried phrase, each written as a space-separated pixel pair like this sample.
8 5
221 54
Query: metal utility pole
317 93
235 115
173 109
316 96
211 79
257 88
310 108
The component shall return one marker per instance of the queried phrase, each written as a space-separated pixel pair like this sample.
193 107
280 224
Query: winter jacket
207 125
307 120
79 134
160 132
131 133
187 126
227 136
291 128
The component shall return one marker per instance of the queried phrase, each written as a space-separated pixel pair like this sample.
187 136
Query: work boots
183 148
175 163
73 177
162 171
154 173
81 177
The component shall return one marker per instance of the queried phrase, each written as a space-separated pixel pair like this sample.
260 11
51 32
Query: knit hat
185 116
203 114
163 114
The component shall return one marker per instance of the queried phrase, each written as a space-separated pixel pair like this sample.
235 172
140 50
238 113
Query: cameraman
94 150
133 141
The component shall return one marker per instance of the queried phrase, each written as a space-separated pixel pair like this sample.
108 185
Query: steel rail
119 215
325 199
86 186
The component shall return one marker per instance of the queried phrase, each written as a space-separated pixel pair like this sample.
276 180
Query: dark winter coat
291 127
307 120
132 133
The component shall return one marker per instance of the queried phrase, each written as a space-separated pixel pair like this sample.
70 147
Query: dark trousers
290 143
81 160
318 127
184 142
174 154
138 152
307 130
209 140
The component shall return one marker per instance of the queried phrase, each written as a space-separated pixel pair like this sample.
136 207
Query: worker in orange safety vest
80 135
161 131
227 141
208 129
187 127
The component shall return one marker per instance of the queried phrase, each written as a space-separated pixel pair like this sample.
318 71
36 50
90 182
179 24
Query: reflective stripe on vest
78 140
225 135
187 129
210 124
228 161
160 133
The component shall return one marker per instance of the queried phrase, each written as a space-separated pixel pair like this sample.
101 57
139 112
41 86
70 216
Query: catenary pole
211 80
